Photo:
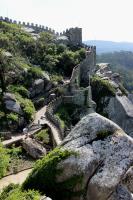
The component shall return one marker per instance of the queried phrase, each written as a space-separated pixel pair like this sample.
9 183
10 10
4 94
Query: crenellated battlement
36 27
74 35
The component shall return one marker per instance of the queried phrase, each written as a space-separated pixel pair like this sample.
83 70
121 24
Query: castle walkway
41 118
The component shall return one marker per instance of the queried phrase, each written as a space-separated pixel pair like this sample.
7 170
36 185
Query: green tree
5 65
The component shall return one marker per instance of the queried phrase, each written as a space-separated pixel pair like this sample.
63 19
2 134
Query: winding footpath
39 116
18 178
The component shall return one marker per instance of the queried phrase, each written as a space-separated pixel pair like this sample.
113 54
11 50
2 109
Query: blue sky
100 19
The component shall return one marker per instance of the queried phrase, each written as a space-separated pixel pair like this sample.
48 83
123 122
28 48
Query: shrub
56 78
36 72
15 151
65 114
20 89
27 106
43 136
14 192
12 117
103 87
62 123
4 160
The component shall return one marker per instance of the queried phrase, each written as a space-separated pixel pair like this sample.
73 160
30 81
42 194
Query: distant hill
109 46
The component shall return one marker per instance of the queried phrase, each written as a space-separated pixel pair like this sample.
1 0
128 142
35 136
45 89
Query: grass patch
14 192
43 136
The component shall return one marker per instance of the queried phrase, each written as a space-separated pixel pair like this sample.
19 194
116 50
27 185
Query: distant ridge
110 46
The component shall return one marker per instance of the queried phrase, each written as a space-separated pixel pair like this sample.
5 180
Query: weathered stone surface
103 69
33 148
39 86
116 77
130 96
120 110
128 179
12 104
121 194
102 162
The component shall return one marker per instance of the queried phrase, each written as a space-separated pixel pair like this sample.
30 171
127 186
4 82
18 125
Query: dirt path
18 178
41 113
38 115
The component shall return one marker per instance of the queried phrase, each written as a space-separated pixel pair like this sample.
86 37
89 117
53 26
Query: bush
43 136
56 78
14 192
36 72
20 89
4 160
15 151
61 121
12 117
103 87
65 114
27 106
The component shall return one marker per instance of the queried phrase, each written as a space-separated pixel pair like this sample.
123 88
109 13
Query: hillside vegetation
24 58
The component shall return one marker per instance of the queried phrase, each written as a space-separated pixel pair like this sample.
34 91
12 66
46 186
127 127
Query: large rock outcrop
33 148
103 157
120 110
12 104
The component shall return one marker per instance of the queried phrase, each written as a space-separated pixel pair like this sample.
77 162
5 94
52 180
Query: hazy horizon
107 20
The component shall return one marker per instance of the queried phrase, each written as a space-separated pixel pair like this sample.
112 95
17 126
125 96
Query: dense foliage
14 192
121 62
24 58
4 160
68 114
43 136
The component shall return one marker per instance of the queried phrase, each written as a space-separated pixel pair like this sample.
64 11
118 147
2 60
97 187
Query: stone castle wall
36 27
74 35
88 65
50 111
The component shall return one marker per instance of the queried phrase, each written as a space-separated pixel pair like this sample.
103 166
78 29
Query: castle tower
88 65
74 36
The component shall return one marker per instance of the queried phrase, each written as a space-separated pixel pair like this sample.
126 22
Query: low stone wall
51 109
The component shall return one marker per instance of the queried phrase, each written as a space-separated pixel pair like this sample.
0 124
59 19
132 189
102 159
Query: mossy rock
103 134
102 90
44 176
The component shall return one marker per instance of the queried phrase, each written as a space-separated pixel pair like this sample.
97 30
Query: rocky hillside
94 162
30 65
